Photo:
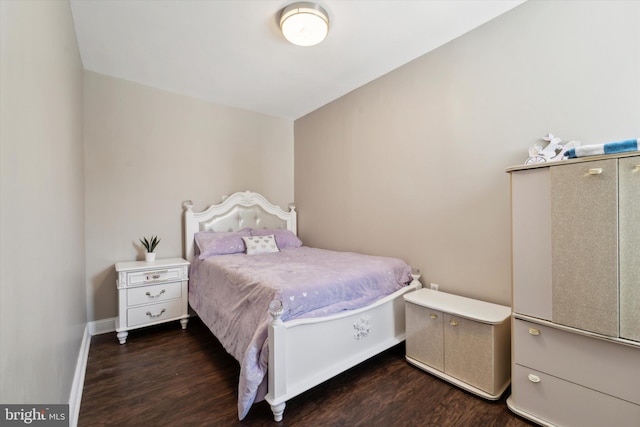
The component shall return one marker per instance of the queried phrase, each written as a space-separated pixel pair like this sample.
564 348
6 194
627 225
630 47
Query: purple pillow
284 238
221 243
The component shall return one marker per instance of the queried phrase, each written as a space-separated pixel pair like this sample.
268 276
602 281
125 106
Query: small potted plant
150 245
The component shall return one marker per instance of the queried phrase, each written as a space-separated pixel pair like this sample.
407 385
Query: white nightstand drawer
154 293
147 277
154 313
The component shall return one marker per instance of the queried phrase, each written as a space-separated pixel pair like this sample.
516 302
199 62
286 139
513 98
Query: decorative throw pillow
284 238
221 243
260 244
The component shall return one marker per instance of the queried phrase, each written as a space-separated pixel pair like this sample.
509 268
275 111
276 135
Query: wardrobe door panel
531 230
584 245
629 199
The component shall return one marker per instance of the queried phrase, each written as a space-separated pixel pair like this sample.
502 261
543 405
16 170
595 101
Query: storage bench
461 340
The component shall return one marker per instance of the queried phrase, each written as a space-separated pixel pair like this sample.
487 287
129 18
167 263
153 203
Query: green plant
150 244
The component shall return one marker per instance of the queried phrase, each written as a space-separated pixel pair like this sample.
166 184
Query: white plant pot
149 256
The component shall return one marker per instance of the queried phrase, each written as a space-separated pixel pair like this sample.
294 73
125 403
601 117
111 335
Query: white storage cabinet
576 293
461 340
150 293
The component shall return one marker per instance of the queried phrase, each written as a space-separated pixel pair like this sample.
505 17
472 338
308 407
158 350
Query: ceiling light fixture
304 23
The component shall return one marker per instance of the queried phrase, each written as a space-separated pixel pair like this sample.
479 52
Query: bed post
189 231
415 275
277 361
293 225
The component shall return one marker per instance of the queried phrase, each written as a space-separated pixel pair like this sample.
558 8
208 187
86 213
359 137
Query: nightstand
150 293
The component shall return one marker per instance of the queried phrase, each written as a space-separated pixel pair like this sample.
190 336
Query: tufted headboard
238 211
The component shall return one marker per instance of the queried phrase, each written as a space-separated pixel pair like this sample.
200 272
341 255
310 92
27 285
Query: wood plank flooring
165 376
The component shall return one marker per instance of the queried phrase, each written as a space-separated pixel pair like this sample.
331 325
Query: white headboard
238 211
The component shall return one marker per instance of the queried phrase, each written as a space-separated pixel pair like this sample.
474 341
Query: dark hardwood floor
165 376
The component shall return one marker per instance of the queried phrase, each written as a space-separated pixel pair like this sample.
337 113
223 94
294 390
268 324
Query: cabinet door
584 240
468 352
424 340
629 199
531 228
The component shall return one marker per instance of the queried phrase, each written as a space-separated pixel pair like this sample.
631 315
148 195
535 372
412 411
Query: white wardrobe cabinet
576 291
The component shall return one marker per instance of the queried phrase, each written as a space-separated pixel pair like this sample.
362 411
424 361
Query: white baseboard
92 328
75 396
103 326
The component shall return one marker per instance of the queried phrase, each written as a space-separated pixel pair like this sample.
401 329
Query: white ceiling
231 52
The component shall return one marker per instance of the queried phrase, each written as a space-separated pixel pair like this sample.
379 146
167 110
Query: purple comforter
231 294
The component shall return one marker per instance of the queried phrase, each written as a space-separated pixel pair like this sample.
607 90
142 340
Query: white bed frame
304 353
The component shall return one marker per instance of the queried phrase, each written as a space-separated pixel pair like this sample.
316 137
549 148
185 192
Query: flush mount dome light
304 23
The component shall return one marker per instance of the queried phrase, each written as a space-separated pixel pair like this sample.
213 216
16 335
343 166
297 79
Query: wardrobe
576 291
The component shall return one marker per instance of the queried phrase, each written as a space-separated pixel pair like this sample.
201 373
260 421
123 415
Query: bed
284 345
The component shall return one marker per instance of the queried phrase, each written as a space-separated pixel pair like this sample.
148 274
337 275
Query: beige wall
412 164
42 286
147 151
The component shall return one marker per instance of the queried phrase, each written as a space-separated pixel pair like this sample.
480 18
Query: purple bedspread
231 294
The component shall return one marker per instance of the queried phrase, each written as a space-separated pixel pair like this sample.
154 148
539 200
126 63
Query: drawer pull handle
594 171
155 296
433 316
533 378
155 275
453 322
153 316
534 331
636 168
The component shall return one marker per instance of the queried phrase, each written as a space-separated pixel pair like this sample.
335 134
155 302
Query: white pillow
260 244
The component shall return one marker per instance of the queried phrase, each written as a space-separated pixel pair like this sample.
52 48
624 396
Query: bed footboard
306 352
